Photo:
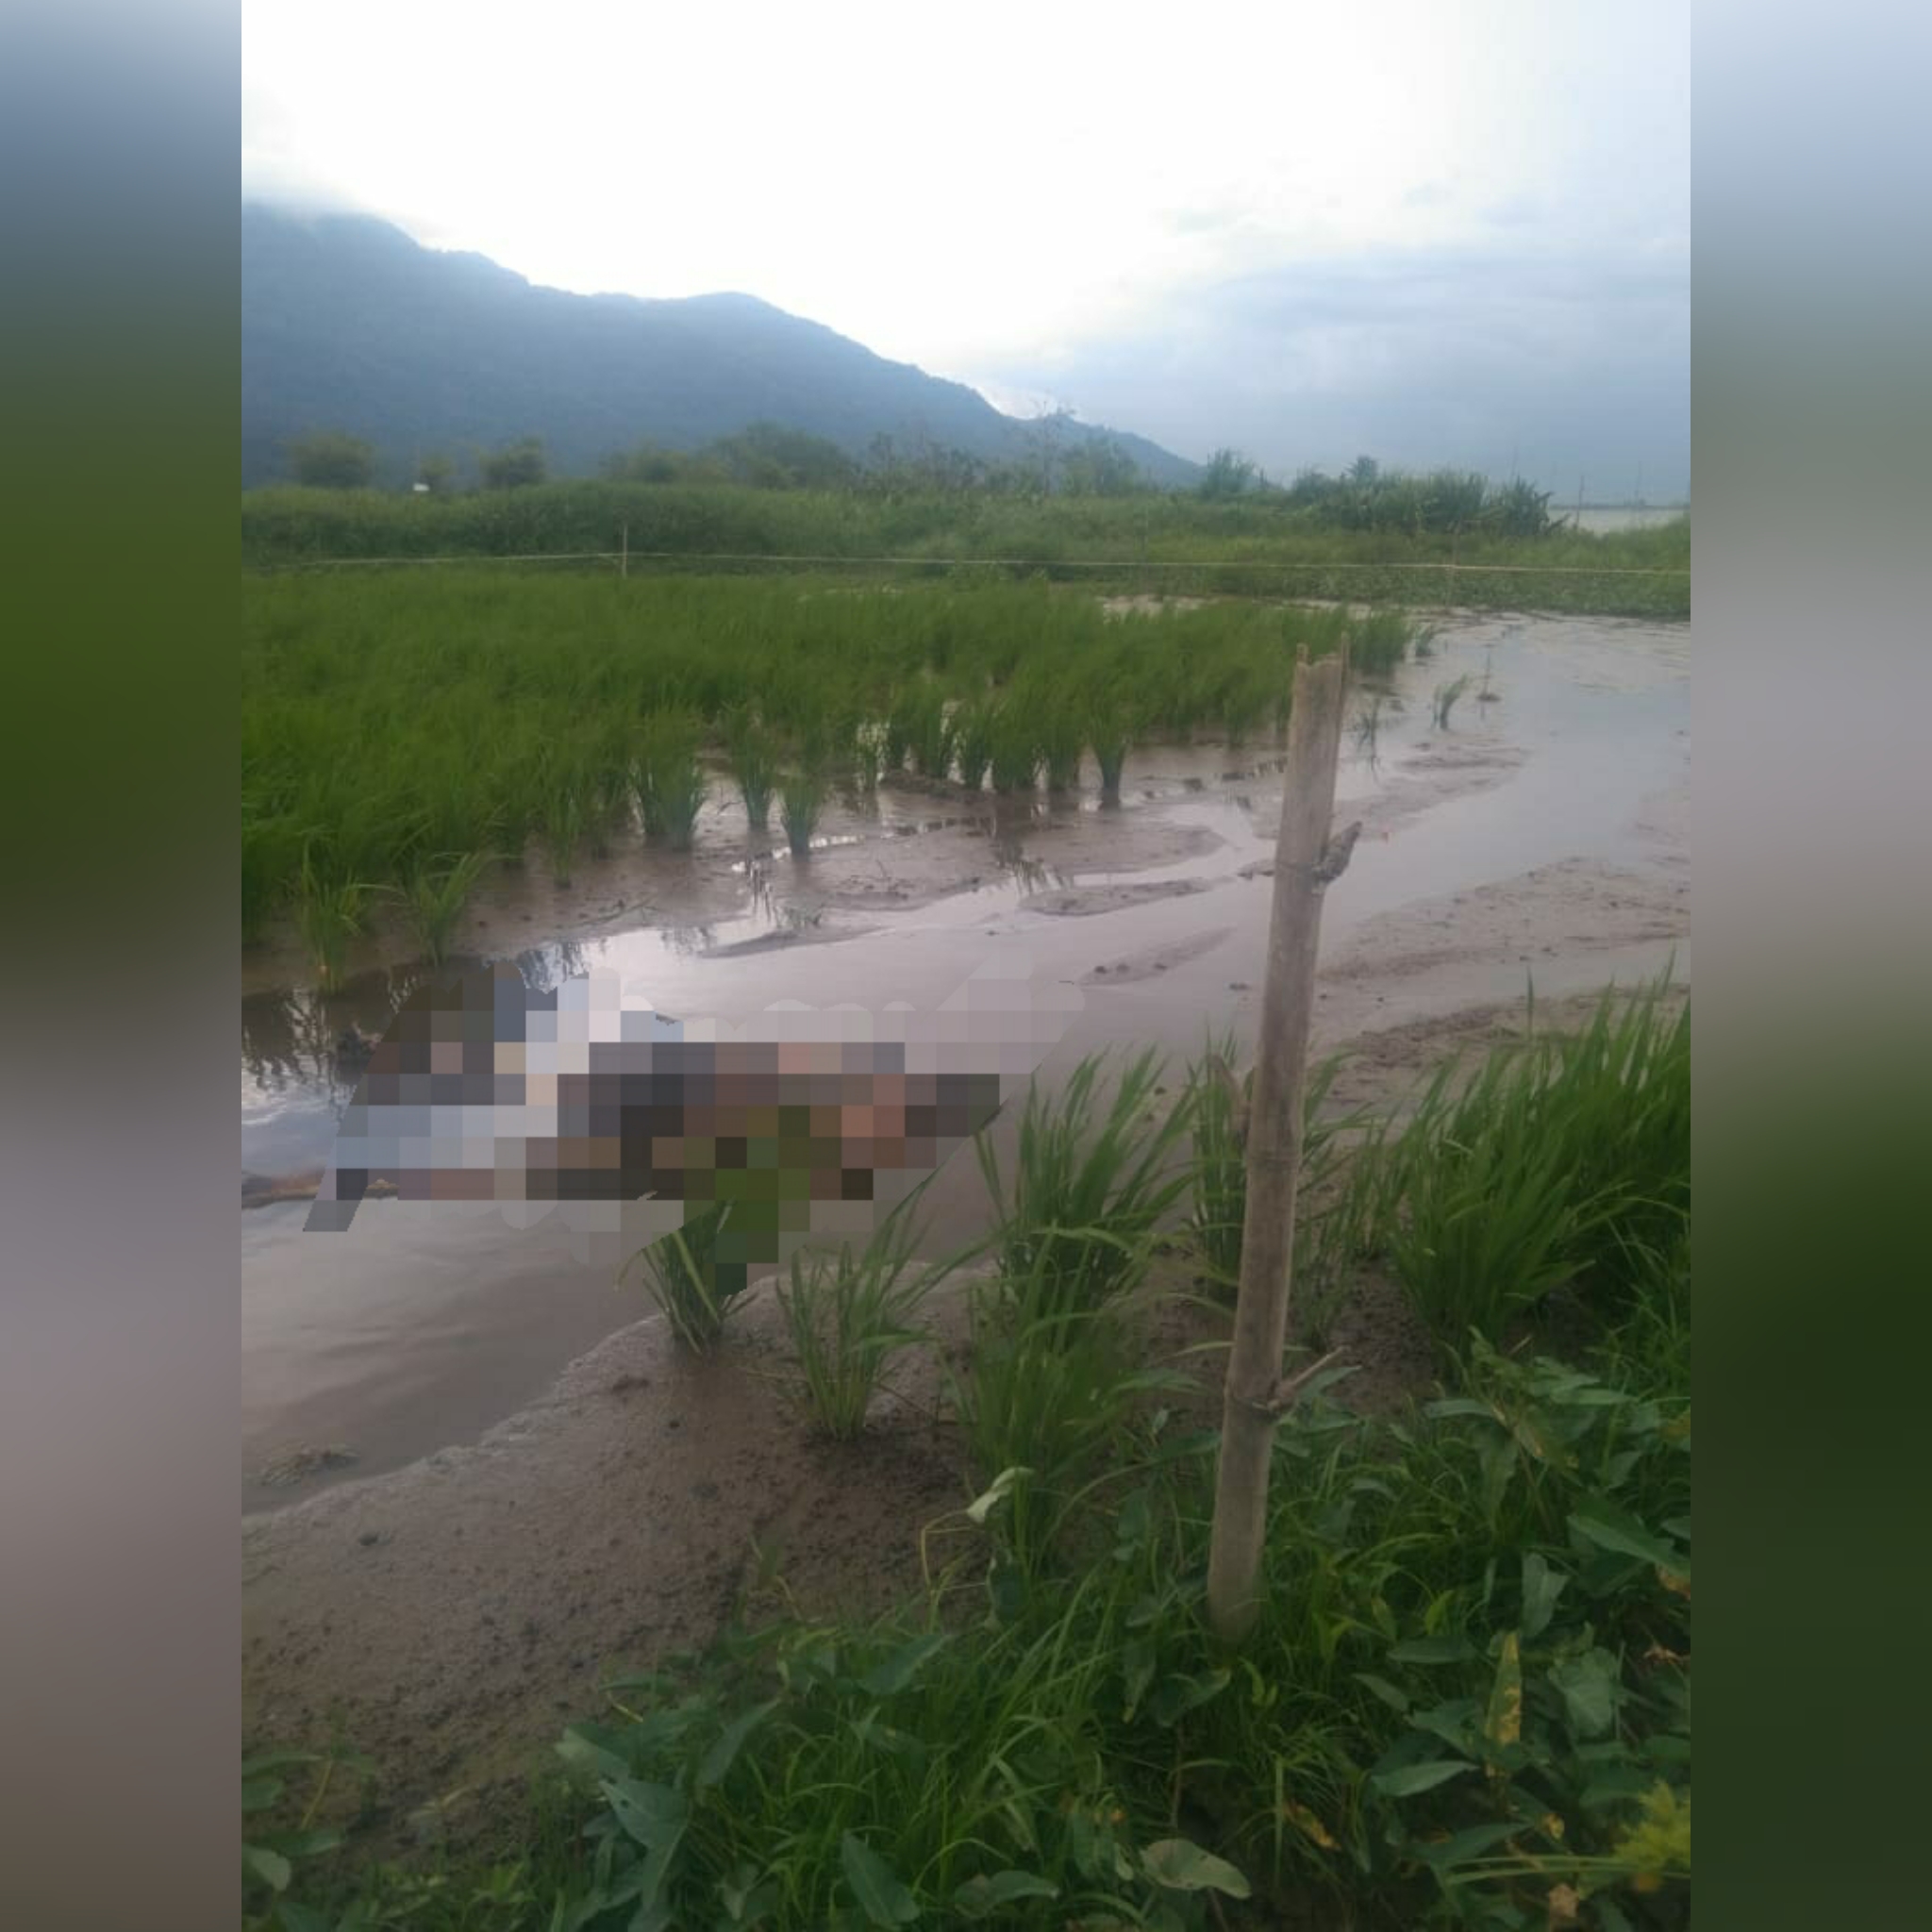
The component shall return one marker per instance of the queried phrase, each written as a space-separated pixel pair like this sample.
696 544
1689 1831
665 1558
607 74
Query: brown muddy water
1543 833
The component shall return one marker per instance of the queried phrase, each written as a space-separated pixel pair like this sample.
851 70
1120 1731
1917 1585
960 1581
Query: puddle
1542 831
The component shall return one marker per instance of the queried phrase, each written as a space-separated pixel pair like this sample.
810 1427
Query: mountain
349 324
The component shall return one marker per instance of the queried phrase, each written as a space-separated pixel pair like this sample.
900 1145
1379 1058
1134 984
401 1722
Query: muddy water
1540 833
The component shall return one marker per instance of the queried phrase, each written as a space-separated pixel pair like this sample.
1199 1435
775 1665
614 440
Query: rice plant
1046 1393
1218 1173
802 798
692 1288
1089 1188
1014 755
329 912
894 737
1111 735
669 782
1447 697
611 795
972 741
849 1315
434 899
923 719
1378 642
386 717
754 764
1062 744
1561 1160
563 828
866 745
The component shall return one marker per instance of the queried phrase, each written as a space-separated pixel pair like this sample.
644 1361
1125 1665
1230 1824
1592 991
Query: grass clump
691 1284
1564 1161
434 900
1013 755
330 911
1218 1181
922 723
1062 737
972 741
1089 1188
669 781
564 823
802 801
754 764
849 1315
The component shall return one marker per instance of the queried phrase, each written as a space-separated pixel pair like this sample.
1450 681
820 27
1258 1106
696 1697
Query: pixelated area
577 1100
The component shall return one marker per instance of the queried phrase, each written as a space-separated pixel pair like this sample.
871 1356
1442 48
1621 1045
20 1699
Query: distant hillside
348 325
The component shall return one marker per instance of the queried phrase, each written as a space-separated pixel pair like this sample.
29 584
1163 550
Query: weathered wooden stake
624 564
1304 864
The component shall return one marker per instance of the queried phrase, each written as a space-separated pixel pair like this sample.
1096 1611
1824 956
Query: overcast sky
1448 232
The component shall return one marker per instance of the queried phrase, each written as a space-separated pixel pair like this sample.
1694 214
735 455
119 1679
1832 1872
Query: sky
1432 233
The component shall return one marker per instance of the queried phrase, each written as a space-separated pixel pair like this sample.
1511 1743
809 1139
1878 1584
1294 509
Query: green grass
669 780
802 799
1561 1162
691 1284
848 1314
1218 1183
754 764
1469 1682
390 718
434 900
330 911
1176 545
972 741
1089 1187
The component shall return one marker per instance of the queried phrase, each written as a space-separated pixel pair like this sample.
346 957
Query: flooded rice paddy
1543 832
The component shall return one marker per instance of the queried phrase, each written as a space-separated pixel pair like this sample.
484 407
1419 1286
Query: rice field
394 727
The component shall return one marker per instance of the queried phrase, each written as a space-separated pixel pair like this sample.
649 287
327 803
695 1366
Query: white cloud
974 187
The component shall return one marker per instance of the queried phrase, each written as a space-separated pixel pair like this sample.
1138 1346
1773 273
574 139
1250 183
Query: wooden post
1255 1396
624 558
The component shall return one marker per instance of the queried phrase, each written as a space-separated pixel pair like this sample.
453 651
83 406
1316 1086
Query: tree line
1052 461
